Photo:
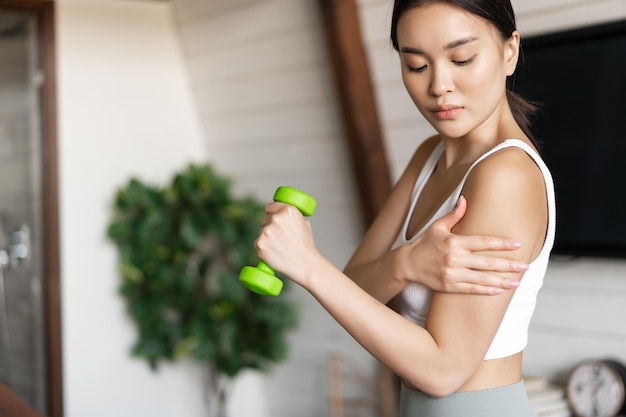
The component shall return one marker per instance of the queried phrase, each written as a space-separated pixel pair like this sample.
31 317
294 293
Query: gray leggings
507 401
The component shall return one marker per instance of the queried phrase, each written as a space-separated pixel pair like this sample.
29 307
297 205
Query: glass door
22 329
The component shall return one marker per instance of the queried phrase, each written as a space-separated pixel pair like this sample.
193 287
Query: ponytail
523 111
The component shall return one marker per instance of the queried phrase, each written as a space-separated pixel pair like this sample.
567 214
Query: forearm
406 348
381 278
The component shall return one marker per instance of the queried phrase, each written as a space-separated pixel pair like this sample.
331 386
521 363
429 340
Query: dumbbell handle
262 279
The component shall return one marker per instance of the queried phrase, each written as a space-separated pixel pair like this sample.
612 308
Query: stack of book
546 397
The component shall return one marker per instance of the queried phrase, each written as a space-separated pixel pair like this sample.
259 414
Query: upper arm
385 228
506 197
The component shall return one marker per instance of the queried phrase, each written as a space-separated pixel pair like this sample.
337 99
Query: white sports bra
512 335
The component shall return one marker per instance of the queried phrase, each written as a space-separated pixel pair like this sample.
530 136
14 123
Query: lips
447 111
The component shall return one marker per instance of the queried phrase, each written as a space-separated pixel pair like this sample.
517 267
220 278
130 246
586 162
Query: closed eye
416 69
465 62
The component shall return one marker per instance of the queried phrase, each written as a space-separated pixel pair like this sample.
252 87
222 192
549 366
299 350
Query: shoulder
427 146
416 163
430 143
507 167
423 151
506 195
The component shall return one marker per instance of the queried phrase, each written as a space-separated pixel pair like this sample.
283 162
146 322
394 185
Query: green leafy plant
181 248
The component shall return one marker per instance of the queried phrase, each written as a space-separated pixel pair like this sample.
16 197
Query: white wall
269 114
581 308
124 109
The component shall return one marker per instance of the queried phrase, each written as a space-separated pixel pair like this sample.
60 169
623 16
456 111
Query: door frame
43 10
355 91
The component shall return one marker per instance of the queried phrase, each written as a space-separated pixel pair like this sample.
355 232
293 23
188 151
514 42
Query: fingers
284 218
274 207
486 284
486 243
449 220
478 274
480 289
495 264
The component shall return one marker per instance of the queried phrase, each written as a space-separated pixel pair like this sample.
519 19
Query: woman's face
454 67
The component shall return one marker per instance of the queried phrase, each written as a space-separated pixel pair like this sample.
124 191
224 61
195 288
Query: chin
449 128
452 133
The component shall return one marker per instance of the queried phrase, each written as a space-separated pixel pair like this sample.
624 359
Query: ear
511 53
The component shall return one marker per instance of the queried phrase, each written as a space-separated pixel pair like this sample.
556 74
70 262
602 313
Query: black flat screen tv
578 77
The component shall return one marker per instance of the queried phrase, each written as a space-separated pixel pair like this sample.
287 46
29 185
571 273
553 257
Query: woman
458 354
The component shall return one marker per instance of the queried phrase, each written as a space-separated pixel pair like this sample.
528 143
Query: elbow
438 384
441 391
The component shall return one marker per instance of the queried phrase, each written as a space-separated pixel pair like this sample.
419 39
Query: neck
501 125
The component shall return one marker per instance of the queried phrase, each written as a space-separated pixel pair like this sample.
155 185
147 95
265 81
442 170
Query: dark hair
500 14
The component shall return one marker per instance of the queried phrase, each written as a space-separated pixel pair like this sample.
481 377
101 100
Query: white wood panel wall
581 309
267 104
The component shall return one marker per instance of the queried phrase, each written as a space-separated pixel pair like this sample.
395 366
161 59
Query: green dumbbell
262 279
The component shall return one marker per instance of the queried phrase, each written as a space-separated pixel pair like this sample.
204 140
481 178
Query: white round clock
597 388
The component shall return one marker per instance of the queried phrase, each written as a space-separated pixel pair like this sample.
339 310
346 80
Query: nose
441 81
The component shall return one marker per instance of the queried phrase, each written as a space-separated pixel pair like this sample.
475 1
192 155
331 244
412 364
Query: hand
446 262
286 241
